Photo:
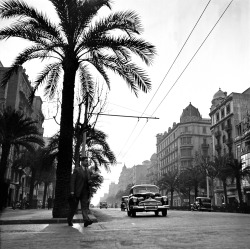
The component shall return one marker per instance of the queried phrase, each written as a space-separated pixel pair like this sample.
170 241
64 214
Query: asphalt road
180 229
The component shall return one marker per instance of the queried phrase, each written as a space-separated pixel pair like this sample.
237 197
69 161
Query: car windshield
145 189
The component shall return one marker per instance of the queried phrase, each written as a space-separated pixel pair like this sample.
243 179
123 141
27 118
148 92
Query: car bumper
149 208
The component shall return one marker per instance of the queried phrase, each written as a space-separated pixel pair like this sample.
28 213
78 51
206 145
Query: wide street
114 229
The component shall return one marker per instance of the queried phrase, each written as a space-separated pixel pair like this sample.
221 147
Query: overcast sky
222 62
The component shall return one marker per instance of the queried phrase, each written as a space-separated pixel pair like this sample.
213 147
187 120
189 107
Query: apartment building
177 147
227 113
16 94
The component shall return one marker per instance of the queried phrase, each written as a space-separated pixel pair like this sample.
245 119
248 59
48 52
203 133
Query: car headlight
134 200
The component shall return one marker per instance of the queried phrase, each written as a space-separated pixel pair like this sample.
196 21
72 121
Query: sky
222 61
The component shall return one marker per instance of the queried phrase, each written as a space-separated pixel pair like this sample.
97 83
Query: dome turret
190 113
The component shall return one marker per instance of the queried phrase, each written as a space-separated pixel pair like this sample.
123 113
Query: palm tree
16 131
170 181
72 43
224 171
98 149
41 166
238 173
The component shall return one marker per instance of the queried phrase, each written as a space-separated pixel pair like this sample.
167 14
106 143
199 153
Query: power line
178 54
167 72
185 68
193 55
122 116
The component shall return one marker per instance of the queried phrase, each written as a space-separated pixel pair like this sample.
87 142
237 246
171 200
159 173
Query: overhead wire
184 44
182 70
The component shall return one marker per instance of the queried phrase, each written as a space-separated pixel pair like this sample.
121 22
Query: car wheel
156 213
133 213
164 213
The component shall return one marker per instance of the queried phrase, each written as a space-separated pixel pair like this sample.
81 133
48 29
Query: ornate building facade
229 134
177 147
16 95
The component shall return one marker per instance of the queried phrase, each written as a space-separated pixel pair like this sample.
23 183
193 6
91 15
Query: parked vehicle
103 204
124 202
146 198
202 204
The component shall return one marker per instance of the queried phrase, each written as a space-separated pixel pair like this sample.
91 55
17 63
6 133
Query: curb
44 221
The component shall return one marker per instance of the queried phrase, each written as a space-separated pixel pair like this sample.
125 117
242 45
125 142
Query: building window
204 130
228 109
222 113
222 126
217 117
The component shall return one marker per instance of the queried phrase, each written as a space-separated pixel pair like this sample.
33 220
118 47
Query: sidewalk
36 216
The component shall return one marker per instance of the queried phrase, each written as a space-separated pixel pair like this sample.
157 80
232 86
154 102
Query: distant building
125 178
229 132
152 174
177 147
140 173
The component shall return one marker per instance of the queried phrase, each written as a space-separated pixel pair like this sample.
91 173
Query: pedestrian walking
79 191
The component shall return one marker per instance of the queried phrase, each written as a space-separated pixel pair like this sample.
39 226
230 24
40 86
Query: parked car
146 198
202 204
124 201
103 204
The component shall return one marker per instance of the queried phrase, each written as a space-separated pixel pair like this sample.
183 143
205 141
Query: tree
96 181
16 130
238 173
221 165
169 181
72 43
41 166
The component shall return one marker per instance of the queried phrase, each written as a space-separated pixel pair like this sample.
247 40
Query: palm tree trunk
64 167
225 192
238 184
45 193
172 196
32 186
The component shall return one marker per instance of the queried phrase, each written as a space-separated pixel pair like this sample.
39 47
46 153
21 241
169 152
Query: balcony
204 146
186 145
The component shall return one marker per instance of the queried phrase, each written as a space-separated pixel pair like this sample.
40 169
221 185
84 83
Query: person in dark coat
79 191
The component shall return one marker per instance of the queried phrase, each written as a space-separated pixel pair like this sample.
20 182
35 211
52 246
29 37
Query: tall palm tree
238 173
73 42
224 172
16 130
170 181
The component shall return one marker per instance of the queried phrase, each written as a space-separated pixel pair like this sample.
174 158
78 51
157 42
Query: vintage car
146 198
202 204
103 204
124 201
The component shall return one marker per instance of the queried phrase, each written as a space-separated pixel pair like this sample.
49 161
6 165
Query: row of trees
78 40
224 168
37 161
